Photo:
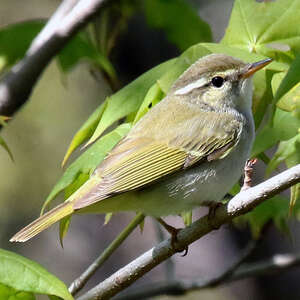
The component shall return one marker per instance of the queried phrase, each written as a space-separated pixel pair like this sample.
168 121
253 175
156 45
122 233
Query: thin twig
238 205
17 84
228 273
80 282
278 263
175 287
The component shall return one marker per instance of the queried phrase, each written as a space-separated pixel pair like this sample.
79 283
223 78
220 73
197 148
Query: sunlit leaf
291 160
108 217
5 146
266 27
284 127
290 80
85 131
291 101
154 95
187 218
288 152
289 149
9 293
3 120
128 99
26 275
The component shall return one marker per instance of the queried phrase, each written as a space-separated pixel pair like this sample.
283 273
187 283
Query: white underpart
194 85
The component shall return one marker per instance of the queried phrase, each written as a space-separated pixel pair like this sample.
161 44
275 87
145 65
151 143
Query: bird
186 151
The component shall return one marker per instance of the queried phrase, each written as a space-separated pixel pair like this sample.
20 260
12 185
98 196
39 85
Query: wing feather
138 161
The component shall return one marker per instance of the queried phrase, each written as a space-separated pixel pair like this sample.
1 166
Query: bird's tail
43 222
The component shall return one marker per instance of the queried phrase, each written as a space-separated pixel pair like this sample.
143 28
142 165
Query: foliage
256 30
163 14
21 278
3 120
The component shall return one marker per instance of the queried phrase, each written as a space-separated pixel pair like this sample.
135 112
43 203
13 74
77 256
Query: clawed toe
173 232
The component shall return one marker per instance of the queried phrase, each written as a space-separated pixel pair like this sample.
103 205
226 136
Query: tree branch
278 263
80 282
240 204
17 84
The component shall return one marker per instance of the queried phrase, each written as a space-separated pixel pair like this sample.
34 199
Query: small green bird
188 150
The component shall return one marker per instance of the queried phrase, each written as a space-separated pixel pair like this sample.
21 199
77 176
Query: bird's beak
250 69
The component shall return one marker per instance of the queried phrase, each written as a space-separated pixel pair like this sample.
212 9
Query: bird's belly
205 183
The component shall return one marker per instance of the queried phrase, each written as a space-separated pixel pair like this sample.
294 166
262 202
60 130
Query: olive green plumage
187 150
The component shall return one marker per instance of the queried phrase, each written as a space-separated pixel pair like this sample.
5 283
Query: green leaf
81 48
108 217
287 89
128 99
15 39
187 218
290 80
3 120
266 27
275 209
25 275
85 131
154 95
290 150
291 101
9 293
183 31
85 164
64 225
5 146
292 159
284 127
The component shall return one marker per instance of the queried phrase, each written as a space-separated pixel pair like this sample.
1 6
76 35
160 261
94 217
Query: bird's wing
138 161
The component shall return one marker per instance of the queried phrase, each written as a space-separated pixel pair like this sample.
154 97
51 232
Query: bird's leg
213 206
173 232
248 171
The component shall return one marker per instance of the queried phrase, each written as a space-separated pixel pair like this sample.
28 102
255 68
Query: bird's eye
217 81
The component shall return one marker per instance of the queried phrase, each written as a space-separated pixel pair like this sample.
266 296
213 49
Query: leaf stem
80 282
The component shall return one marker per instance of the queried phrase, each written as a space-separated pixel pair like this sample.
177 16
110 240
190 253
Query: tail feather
43 222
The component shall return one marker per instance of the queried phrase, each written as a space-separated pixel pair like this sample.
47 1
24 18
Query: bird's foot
173 232
212 209
248 173
212 212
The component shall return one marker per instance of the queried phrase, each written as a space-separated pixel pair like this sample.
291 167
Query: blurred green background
39 135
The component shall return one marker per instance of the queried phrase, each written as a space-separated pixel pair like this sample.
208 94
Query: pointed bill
254 67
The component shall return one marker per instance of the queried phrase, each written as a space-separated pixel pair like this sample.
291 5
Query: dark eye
217 81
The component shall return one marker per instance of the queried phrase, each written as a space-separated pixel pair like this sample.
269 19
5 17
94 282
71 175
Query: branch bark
17 84
80 282
240 204
278 263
